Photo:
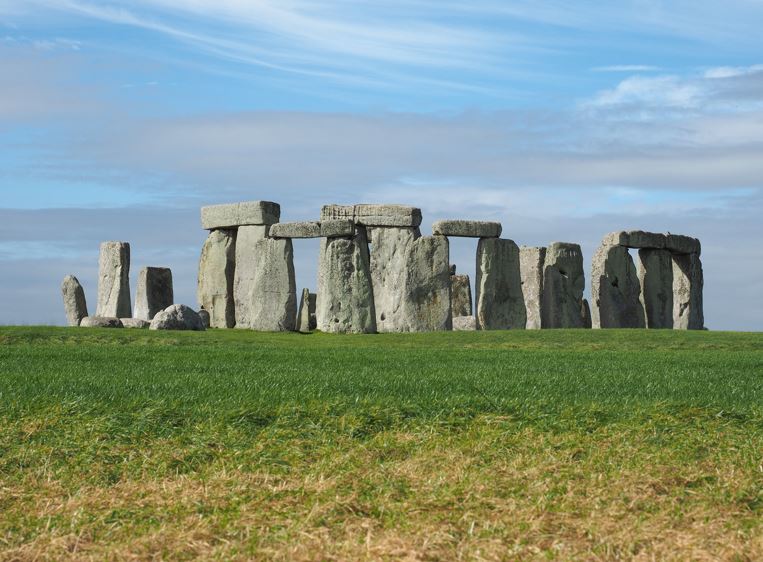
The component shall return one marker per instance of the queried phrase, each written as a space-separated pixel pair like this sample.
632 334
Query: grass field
591 445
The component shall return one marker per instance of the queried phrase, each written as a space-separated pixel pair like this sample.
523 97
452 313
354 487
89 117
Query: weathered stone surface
426 285
635 239
460 295
206 319
240 214
688 282
615 290
313 303
373 215
452 269
177 317
345 294
247 259
531 263
467 229
585 312
464 323
337 228
303 316
154 292
74 300
135 323
679 244
114 281
389 255
500 303
563 284
216 278
274 291
100 322
295 230
655 273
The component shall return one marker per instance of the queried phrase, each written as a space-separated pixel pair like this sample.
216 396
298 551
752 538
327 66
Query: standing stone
585 312
303 316
74 300
531 262
500 303
563 284
154 292
205 318
313 302
426 285
656 277
274 291
216 275
243 280
615 290
114 281
460 295
688 281
345 293
389 252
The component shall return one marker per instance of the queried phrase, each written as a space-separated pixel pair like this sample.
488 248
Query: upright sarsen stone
615 290
460 295
656 277
563 284
114 281
531 262
74 300
426 285
274 290
216 274
247 259
688 282
303 314
345 301
500 303
154 292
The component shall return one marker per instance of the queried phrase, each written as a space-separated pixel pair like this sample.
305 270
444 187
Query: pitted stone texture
635 239
295 230
100 322
426 285
135 323
585 312
679 244
500 303
531 262
688 282
345 294
154 292
563 284
374 215
303 315
74 300
205 318
240 214
114 281
655 273
177 317
216 276
274 291
337 228
615 290
389 255
247 259
467 229
464 323
460 295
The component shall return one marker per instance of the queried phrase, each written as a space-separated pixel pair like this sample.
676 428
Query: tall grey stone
585 312
426 285
74 300
216 275
615 290
313 302
500 303
247 240
688 282
388 255
460 295
114 281
154 292
531 262
345 293
274 290
563 284
655 270
303 315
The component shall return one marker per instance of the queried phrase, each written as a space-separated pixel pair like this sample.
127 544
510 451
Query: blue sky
563 120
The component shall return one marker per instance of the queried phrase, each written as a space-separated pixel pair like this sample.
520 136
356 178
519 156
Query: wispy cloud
626 68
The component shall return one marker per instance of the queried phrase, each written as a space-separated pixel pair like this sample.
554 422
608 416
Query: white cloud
651 92
732 71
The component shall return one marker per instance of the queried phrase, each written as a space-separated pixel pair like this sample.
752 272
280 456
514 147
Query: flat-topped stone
373 215
467 229
154 293
100 322
240 214
114 281
295 230
135 323
635 239
679 244
337 228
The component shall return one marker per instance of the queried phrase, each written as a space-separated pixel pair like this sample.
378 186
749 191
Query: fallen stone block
531 263
135 323
679 244
467 229
177 317
373 215
500 303
100 322
563 284
426 286
154 293
688 283
240 214
273 304
114 281
656 278
615 290
217 267
464 323
337 228
75 305
460 295
247 259
295 230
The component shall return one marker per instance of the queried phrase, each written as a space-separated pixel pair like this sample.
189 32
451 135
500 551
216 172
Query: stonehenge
216 278
531 262
460 294
74 300
563 284
500 303
154 292
114 281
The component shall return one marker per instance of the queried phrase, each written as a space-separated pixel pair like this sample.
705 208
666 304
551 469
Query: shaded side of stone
655 271
688 284
154 292
274 293
247 240
531 262
75 305
426 285
460 295
114 281
500 302
585 312
303 315
615 290
217 267
563 285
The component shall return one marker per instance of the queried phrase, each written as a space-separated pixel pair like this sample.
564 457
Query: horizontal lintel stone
240 214
639 239
295 230
467 229
337 228
679 244
373 215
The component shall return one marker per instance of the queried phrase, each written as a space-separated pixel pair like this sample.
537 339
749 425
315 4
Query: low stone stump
460 295
531 263
295 230
114 281
135 323
233 215
374 215
75 305
656 278
205 318
464 323
216 278
467 229
247 259
154 293
500 303
426 286
177 317
563 284
273 304
100 322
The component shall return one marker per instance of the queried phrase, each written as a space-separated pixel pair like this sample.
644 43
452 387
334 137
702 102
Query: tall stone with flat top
216 274
426 285
247 258
531 262
688 282
154 292
274 290
460 295
500 303
656 277
74 300
615 289
563 284
114 280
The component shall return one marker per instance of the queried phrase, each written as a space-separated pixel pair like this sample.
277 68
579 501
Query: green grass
486 445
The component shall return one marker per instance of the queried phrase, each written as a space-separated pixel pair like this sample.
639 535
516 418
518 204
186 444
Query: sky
563 120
